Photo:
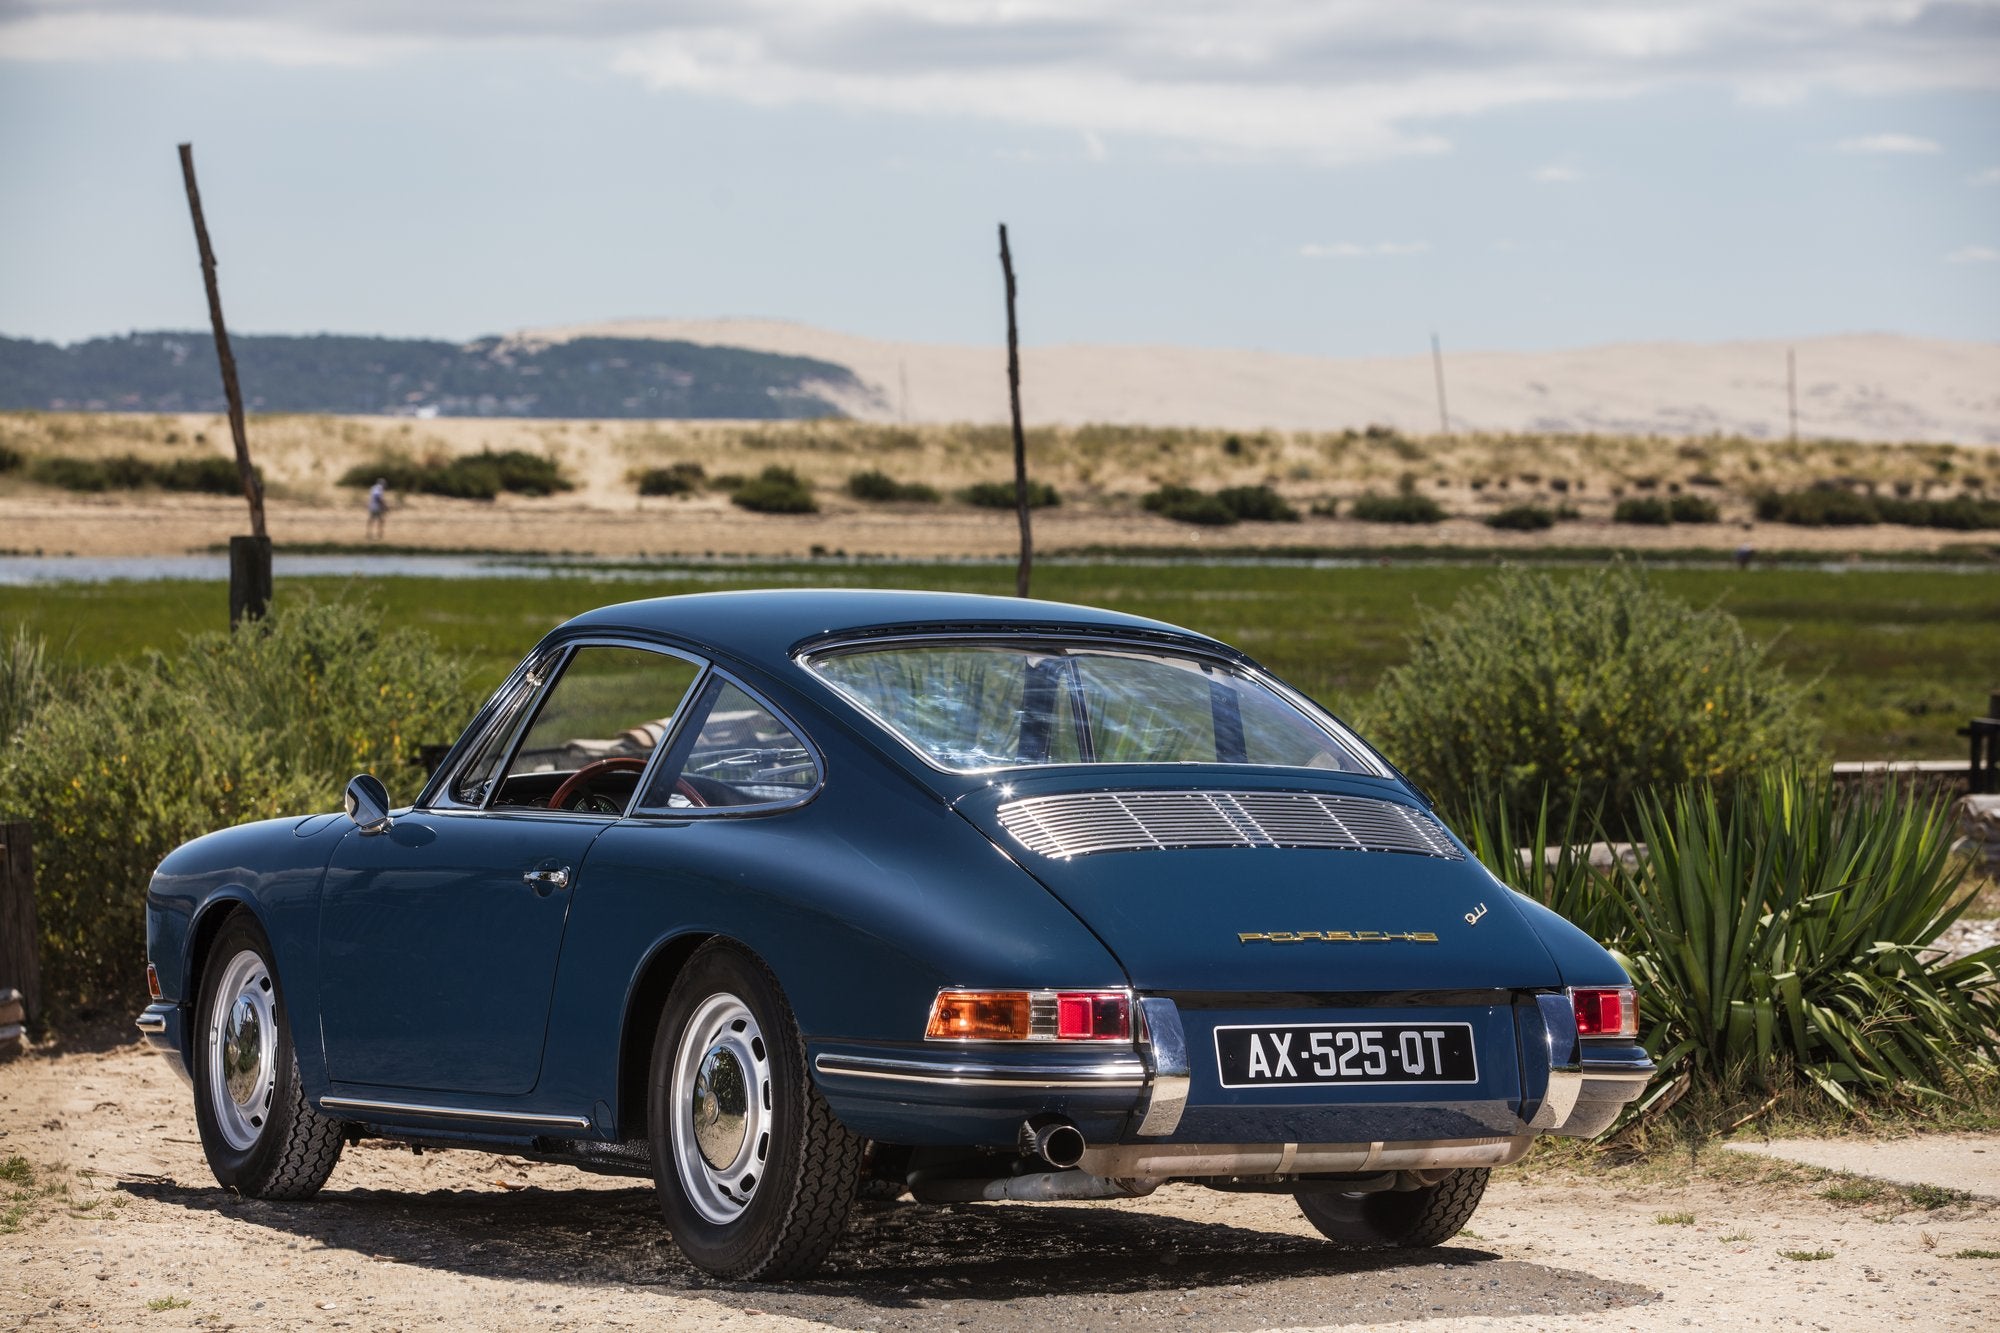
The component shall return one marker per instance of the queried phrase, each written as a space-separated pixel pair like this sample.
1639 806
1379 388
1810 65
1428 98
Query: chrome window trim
1338 732
453 1112
556 665
677 813
521 682
1125 1073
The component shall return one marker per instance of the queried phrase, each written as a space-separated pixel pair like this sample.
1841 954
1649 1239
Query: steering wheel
588 774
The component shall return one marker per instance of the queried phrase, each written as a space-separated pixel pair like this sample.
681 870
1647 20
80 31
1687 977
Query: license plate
1308 1054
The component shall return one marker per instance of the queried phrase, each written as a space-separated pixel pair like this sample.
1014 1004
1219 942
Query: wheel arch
645 1003
208 923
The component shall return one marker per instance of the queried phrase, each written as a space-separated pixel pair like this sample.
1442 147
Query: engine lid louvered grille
1086 823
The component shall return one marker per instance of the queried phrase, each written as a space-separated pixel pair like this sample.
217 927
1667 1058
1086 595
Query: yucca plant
1773 924
1780 920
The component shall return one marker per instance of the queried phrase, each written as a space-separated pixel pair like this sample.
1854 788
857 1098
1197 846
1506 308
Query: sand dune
1861 386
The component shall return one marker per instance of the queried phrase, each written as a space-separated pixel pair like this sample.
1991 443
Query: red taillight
153 981
1030 1015
1093 1016
1611 1011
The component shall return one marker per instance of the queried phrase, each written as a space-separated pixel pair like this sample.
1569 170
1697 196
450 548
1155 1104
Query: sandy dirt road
109 1219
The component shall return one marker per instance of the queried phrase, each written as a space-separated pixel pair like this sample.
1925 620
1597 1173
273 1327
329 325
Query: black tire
271 1144
729 1081
1398 1219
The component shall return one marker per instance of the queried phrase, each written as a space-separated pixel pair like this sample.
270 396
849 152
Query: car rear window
975 706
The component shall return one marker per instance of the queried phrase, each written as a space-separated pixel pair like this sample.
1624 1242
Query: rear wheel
755 1175
260 1135
1391 1219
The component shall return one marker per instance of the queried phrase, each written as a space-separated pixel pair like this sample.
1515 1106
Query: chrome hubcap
721 1100
242 1050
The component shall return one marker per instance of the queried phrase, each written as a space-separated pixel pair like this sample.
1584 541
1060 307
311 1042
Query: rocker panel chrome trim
355 1104
1111 1074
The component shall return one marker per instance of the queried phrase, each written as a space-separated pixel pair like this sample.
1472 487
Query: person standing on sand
378 508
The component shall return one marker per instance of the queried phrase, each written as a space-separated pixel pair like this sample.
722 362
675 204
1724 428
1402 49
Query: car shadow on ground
918 1267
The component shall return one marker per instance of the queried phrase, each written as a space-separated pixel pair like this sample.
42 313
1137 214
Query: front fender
272 869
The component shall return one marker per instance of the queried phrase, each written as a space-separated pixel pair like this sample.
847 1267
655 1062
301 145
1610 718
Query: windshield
974 706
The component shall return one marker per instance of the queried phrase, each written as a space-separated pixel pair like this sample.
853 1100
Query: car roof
771 624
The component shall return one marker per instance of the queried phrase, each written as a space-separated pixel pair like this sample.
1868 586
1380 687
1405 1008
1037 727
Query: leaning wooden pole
1020 441
1437 369
249 557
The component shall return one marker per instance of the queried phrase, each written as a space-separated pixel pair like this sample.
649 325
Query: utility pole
1792 390
249 557
1437 369
1020 441
903 377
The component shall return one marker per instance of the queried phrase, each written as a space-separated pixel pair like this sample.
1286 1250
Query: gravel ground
112 1221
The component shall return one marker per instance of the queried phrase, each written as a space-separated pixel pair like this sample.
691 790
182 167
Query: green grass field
1898 661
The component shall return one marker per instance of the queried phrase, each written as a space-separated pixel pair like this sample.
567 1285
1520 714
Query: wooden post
1437 370
20 939
1020 441
1792 390
251 594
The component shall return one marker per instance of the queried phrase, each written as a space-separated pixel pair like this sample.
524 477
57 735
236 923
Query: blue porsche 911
778 897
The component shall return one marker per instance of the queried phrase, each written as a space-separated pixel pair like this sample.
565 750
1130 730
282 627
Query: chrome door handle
544 880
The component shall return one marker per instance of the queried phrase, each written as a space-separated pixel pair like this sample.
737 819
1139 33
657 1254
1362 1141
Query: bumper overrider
1118 1100
162 1024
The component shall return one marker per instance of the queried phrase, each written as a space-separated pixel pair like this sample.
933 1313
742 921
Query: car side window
596 729
474 779
734 753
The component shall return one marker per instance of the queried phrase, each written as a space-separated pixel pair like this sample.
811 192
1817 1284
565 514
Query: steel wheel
755 1174
721 1100
243 1050
260 1135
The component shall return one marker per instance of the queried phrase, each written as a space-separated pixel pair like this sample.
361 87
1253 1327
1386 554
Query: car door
439 936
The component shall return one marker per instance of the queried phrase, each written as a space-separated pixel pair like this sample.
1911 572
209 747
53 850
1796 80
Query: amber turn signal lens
153 981
975 1015
1611 1011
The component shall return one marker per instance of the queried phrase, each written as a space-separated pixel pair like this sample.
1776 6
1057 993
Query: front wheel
1390 1219
261 1137
755 1175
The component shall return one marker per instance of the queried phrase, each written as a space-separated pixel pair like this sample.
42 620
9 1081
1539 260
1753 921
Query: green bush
1693 509
880 486
1817 508
136 759
480 476
1257 504
69 474
209 474
776 490
1404 507
1523 518
1648 511
1776 927
1184 504
674 479
1000 495
1596 683
10 459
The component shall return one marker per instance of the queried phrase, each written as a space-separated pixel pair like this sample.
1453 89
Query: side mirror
367 803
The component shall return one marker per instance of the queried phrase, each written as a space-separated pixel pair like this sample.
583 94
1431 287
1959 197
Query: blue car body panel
421 969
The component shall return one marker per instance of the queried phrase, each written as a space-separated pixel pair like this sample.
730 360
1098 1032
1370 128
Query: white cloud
1990 176
1360 250
1973 254
1332 82
1556 174
1890 144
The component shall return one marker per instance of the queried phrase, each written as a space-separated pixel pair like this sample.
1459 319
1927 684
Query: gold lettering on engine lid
1336 936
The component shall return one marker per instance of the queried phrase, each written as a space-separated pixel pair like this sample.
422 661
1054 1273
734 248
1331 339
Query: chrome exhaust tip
1055 1141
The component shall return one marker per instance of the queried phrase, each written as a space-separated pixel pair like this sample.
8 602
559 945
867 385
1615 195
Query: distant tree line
492 377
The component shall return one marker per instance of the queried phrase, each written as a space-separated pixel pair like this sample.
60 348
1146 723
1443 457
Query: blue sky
1327 177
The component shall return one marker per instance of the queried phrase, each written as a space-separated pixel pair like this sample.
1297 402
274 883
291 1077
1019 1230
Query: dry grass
1105 466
